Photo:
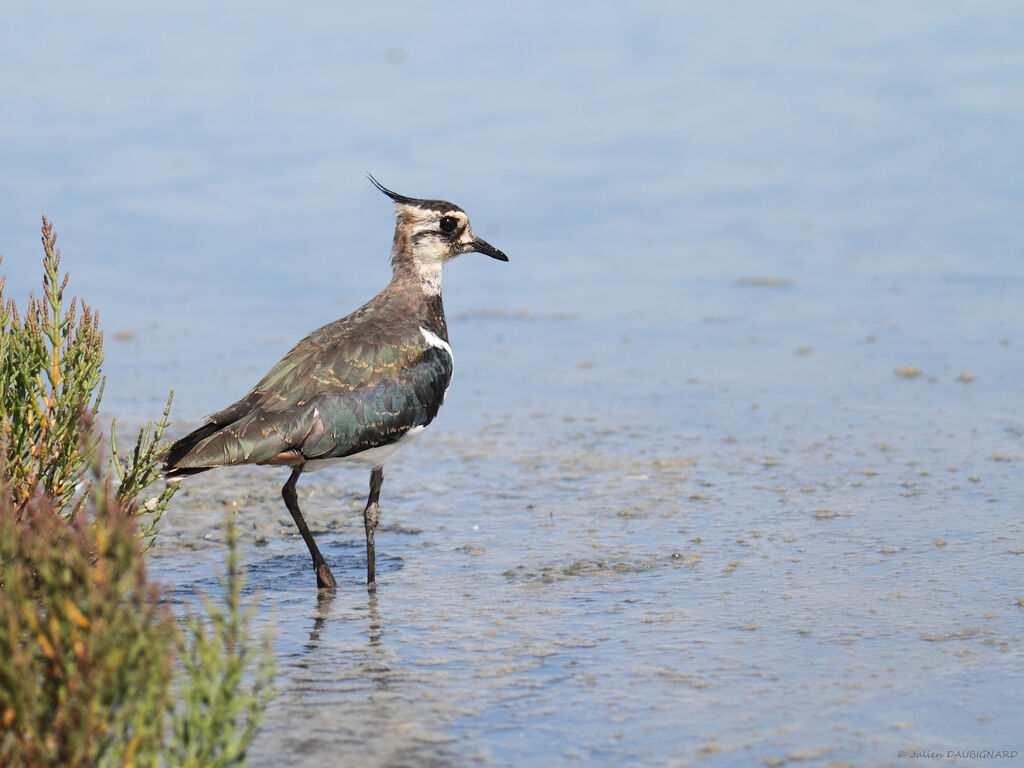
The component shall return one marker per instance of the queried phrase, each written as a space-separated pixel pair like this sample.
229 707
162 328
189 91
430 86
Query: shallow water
687 501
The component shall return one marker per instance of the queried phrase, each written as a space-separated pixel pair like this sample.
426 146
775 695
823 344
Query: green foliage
220 710
141 469
50 390
87 647
50 384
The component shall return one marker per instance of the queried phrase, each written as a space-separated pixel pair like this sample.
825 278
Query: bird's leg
370 520
324 577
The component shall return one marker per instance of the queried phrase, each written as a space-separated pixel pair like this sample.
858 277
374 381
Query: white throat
430 276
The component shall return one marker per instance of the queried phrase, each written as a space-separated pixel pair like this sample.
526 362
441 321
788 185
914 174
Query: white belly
371 457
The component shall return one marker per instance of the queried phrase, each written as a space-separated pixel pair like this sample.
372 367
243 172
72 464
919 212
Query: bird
355 389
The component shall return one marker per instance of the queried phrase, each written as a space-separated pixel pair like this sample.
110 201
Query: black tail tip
176 473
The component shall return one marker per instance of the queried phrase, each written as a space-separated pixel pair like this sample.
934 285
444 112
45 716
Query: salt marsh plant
86 647
88 650
95 670
50 389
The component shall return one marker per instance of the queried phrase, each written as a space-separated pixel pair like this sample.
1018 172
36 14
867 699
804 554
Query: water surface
679 507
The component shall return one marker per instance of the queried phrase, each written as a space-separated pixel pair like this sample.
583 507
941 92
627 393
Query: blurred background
763 308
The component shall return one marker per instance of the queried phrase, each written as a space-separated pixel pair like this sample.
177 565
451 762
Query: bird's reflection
324 599
375 624
324 612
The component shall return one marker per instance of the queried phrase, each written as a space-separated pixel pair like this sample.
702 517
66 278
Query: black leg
370 518
324 577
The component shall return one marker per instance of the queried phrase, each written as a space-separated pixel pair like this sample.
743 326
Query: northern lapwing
357 388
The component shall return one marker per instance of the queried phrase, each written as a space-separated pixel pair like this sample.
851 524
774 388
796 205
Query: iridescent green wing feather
329 400
399 387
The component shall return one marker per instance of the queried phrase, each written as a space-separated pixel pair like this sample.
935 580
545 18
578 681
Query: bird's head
429 234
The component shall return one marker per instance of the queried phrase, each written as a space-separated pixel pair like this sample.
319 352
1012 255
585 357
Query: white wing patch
436 341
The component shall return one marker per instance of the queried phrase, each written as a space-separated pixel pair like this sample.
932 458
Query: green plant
50 390
87 646
50 383
139 470
220 709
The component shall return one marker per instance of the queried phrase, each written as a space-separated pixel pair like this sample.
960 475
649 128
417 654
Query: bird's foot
324 577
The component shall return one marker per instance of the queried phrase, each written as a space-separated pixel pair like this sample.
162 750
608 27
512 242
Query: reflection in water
375 625
322 617
347 691
324 599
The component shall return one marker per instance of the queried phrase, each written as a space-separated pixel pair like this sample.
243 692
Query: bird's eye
448 224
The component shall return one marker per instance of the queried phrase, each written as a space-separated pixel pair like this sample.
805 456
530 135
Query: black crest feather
432 205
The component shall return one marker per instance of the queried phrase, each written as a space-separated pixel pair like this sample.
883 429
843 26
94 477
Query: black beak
482 246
